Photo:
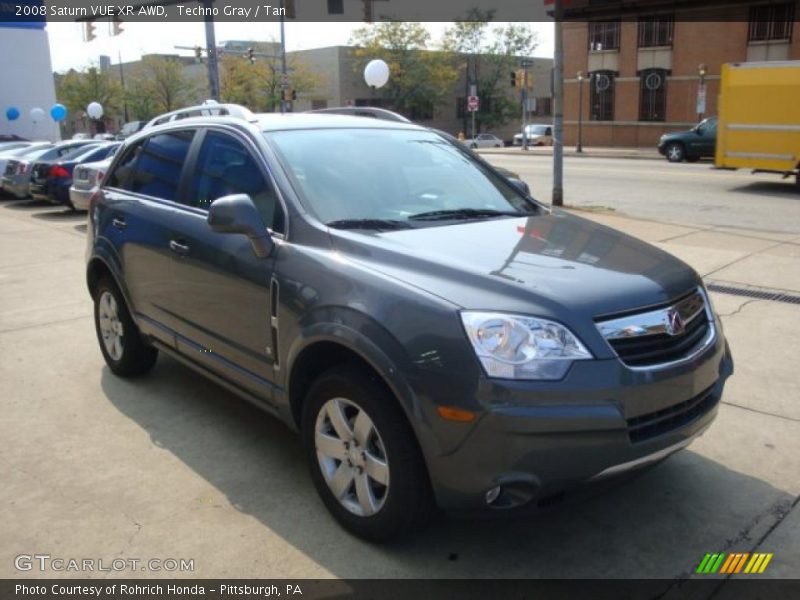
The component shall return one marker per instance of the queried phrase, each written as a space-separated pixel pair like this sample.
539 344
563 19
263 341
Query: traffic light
520 78
513 79
368 13
251 55
116 26
89 31
198 54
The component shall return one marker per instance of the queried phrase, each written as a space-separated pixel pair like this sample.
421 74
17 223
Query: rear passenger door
137 220
221 288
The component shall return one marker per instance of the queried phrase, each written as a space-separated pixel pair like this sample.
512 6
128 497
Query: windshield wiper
467 213
376 224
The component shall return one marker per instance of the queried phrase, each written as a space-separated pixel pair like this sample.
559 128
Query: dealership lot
171 466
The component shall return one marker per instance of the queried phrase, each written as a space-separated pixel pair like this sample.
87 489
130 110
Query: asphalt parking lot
171 466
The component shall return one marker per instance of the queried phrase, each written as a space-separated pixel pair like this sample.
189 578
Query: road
652 189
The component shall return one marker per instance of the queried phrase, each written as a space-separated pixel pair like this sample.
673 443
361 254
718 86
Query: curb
571 154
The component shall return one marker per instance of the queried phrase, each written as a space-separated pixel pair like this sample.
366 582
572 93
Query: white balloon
376 73
94 110
37 114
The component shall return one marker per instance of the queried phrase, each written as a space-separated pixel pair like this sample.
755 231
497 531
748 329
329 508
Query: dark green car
699 142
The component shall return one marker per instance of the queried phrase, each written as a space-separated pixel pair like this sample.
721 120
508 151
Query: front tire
364 459
121 343
675 152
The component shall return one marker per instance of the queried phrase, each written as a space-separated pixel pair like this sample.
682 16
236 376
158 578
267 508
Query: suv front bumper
538 440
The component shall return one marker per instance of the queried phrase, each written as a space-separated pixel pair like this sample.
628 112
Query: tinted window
158 170
124 168
224 167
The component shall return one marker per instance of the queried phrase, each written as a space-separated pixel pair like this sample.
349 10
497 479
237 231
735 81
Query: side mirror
238 214
520 185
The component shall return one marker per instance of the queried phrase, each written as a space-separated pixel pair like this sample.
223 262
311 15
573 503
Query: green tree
258 85
488 54
419 77
77 89
160 84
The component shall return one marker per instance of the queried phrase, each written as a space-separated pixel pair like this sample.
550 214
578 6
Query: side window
158 171
120 175
224 167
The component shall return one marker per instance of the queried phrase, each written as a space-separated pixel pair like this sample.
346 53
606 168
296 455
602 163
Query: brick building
642 66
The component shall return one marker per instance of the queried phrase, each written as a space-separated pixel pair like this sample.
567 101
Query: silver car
17 174
21 152
85 180
484 140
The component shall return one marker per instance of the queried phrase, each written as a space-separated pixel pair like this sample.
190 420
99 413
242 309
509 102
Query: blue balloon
12 113
58 112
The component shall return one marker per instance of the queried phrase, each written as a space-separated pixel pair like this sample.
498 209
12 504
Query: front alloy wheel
352 457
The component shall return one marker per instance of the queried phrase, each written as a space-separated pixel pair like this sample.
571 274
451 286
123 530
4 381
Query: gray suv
437 336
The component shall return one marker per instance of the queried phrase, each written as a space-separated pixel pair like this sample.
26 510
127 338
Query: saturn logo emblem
674 324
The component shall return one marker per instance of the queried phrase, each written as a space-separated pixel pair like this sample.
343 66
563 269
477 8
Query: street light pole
122 83
579 147
558 109
284 76
525 64
211 51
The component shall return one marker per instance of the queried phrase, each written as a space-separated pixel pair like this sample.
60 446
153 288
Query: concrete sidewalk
170 465
588 152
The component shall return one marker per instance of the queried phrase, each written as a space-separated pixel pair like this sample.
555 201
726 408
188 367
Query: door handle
178 248
118 223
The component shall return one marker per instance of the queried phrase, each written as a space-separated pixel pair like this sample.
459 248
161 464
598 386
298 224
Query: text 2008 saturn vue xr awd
437 336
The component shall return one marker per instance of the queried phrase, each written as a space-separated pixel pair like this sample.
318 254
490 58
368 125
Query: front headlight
521 347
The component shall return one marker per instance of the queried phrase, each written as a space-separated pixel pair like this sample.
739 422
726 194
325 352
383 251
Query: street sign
473 102
701 99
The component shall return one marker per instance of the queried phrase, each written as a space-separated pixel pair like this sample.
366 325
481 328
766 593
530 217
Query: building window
655 31
772 22
335 7
604 35
544 107
653 95
601 96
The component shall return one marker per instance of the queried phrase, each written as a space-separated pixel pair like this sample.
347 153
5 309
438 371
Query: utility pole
525 65
211 51
122 83
284 75
558 109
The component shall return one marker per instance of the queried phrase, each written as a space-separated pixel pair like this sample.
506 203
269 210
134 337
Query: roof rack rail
204 110
364 111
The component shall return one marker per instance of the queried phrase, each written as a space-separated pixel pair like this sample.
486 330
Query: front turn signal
449 413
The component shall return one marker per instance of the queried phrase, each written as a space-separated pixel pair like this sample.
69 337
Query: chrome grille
666 334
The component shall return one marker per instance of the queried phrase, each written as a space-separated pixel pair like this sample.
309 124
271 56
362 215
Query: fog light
493 494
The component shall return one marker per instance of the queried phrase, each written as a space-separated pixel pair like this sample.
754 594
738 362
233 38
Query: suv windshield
390 178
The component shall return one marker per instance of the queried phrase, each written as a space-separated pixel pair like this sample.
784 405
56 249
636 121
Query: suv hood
539 265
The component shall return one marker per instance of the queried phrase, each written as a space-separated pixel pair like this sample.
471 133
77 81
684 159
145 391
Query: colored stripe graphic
734 563
765 563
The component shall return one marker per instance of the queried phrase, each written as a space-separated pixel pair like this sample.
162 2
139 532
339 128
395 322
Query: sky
68 50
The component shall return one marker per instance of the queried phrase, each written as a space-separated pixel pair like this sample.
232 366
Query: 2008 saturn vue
437 336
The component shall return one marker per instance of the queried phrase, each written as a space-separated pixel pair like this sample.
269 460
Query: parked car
58 179
12 137
437 336
130 128
6 155
538 135
8 146
85 180
484 140
699 142
17 176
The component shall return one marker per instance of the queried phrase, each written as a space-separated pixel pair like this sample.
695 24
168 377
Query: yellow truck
759 118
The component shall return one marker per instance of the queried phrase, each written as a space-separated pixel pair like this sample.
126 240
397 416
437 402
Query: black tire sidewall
409 496
137 357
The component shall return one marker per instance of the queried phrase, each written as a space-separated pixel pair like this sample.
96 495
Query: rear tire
675 152
121 342
375 484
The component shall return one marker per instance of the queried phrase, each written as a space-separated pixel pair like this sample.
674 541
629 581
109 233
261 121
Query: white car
19 152
484 140
85 179
538 135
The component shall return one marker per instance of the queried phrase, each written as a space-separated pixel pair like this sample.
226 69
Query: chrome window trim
654 323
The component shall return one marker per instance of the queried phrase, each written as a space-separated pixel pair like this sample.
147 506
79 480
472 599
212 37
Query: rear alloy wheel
364 459
123 348
675 152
